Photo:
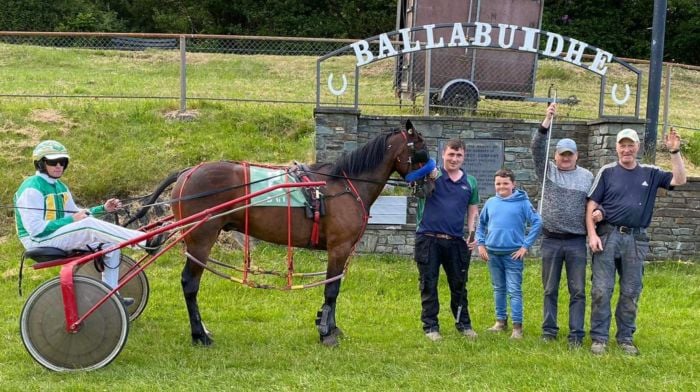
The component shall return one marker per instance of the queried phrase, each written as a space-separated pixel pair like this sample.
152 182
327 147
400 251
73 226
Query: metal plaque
482 160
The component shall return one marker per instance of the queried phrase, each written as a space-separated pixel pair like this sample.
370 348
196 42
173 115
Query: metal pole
426 83
658 31
183 74
667 100
357 87
546 159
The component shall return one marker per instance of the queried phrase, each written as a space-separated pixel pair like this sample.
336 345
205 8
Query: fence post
658 31
183 74
667 100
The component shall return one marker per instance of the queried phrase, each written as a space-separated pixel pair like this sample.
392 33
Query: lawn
266 339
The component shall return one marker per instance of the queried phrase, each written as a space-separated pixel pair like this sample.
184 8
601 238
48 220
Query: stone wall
674 228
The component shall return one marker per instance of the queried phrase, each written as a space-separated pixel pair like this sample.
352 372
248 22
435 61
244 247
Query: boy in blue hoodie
502 242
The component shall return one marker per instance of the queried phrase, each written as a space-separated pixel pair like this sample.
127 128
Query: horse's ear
409 127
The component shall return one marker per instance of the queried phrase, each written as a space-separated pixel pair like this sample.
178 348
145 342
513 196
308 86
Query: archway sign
474 36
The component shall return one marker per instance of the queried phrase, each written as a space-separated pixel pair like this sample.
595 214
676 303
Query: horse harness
315 206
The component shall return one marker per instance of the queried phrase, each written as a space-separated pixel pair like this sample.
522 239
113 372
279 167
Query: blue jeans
569 253
624 254
507 278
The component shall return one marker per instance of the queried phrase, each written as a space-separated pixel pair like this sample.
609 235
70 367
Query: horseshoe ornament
335 92
618 101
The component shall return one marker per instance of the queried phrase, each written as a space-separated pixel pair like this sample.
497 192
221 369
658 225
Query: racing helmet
48 149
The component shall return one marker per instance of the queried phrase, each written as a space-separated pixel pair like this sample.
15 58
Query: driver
47 216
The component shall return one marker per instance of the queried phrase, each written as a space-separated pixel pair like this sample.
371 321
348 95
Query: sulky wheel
137 288
94 345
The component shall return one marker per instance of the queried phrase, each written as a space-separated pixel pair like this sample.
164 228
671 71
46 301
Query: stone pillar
601 140
336 132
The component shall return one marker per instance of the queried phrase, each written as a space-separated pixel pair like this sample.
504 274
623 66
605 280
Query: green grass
266 339
120 148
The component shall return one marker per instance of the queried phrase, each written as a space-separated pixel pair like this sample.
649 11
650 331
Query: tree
59 15
623 27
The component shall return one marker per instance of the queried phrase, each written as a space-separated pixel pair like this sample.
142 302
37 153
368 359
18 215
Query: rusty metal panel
501 72
518 12
442 11
446 64
495 72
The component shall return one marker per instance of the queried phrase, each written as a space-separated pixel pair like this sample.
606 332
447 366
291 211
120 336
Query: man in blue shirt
626 192
440 240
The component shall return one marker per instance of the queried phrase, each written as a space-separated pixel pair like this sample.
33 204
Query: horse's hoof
337 332
204 340
332 339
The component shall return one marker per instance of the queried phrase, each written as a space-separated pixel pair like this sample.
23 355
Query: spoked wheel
94 345
137 288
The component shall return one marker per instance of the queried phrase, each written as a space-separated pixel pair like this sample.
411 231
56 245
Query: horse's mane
364 158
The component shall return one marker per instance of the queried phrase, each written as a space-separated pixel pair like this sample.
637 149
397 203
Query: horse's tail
154 196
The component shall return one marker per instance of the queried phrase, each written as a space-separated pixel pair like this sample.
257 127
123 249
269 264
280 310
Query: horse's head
414 153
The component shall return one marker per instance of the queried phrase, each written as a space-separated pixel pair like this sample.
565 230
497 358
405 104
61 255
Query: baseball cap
628 133
566 145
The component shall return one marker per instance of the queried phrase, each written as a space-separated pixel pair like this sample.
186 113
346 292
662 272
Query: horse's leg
325 318
191 276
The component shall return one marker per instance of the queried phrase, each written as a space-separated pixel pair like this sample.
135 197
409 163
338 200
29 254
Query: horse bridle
417 156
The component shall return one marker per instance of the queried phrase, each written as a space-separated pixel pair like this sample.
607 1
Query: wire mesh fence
286 70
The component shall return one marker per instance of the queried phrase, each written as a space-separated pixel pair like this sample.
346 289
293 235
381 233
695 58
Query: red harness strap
246 238
315 232
290 252
365 218
315 235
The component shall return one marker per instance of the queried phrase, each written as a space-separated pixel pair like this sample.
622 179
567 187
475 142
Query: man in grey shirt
564 230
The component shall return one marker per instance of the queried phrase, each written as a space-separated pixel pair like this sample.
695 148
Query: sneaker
154 243
433 336
628 348
598 348
469 333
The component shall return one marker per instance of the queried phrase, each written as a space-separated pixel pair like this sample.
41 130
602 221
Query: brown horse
353 183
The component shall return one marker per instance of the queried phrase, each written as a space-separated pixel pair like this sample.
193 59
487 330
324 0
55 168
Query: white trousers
89 233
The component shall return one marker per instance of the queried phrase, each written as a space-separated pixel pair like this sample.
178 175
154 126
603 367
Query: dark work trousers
454 256
624 254
571 254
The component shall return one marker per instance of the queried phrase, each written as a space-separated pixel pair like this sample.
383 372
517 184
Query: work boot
517 331
628 348
575 344
548 338
500 326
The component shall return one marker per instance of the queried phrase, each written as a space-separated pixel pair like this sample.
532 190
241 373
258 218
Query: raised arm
539 141
549 115
673 142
